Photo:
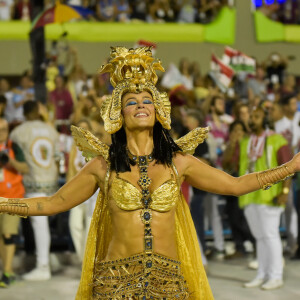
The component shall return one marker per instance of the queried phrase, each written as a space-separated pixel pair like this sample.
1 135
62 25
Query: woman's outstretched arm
76 191
212 180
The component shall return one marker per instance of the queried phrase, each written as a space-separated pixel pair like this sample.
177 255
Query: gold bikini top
128 197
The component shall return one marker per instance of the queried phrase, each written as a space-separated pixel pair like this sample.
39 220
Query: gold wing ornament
189 142
90 145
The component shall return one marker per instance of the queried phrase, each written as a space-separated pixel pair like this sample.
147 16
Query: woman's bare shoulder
181 161
97 166
181 157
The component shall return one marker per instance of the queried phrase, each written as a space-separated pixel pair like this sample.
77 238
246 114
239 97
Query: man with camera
12 165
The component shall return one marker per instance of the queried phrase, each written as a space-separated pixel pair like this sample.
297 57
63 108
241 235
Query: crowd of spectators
74 97
152 11
286 12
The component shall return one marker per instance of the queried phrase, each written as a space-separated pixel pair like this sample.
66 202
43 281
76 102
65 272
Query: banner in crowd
221 73
239 61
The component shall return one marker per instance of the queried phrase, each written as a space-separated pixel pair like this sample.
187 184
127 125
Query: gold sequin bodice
128 197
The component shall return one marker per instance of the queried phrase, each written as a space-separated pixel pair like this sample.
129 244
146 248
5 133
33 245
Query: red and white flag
221 73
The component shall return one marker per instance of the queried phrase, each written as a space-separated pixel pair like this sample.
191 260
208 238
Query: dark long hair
164 148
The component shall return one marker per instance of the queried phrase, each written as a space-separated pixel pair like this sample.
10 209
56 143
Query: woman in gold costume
142 243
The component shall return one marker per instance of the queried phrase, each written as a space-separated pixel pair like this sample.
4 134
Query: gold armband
14 207
270 177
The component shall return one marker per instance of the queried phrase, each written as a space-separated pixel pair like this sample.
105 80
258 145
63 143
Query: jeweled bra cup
128 197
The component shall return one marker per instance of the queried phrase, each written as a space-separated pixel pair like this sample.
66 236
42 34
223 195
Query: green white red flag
239 61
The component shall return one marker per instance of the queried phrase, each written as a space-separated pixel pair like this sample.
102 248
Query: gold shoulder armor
89 144
191 140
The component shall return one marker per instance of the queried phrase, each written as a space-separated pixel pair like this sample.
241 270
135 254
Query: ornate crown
136 65
132 71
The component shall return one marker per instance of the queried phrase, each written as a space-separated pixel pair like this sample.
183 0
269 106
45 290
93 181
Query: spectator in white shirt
6 10
289 125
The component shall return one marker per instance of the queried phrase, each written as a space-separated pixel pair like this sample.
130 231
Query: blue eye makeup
130 103
133 102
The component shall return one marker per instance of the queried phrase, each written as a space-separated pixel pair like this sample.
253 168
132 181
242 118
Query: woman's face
191 123
244 114
4 85
138 111
59 82
290 80
238 131
276 112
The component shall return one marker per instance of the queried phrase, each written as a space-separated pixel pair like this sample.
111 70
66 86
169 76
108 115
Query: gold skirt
142 276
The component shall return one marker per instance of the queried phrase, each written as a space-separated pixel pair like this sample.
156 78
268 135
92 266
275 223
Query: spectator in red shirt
23 10
62 102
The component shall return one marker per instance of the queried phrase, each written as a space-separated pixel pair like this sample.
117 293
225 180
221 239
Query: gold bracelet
273 176
277 174
258 179
288 171
266 180
15 207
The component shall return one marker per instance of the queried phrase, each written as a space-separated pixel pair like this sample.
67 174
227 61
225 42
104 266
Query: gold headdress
132 71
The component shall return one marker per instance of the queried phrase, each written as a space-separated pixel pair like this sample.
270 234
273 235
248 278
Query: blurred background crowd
287 12
185 11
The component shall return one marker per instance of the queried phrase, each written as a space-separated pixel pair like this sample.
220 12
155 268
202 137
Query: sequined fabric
130 278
